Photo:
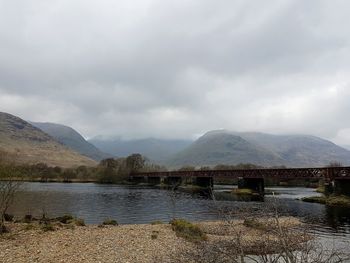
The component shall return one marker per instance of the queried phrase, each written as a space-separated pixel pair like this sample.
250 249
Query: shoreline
144 243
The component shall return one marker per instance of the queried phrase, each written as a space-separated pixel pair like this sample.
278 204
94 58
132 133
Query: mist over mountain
346 147
155 149
71 138
31 145
225 147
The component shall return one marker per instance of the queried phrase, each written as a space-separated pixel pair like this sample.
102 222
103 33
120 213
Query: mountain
217 147
71 138
346 147
301 150
225 147
154 149
31 145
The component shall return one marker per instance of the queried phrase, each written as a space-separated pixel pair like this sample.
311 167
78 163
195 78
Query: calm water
132 204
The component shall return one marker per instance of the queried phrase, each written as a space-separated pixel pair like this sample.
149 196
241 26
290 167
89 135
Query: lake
135 204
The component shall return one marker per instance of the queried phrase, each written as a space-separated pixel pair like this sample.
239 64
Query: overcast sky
176 69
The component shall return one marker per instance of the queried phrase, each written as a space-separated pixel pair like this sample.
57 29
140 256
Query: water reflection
130 204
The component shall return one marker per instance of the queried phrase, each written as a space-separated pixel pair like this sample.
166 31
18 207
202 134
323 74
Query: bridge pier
255 184
205 182
139 180
173 181
338 187
153 180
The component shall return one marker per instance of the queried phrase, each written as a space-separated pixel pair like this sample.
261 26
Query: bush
47 227
154 234
110 222
28 218
8 218
187 230
79 222
66 219
3 229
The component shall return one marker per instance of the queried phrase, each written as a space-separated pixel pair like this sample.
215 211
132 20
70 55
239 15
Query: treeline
107 171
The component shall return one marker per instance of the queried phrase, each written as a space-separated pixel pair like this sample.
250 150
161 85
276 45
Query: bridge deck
289 173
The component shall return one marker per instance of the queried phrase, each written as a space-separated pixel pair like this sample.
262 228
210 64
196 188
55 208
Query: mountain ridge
71 138
259 148
30 145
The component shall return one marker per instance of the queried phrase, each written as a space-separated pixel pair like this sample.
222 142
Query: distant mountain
31 145
225 147
71 138
154 149
301 150
346 147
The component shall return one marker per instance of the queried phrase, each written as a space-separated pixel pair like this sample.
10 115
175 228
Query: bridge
336 179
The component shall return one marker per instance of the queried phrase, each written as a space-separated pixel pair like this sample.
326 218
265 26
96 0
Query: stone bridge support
173 181
255 184
338 187
154 180
139 180
204 182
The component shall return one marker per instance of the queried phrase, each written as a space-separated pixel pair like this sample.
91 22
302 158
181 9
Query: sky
176 69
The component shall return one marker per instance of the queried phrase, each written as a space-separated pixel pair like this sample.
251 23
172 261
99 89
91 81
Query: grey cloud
175 69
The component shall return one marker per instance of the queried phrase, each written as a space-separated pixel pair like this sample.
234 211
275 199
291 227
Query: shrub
8 218
187 230
47 227
28 218
79 222
3 229
154 234
66 219
110 222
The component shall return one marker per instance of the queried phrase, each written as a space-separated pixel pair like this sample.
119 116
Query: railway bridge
336 179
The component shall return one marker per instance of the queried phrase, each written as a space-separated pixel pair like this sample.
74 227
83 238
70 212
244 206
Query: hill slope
154 149
31 145
71 138
300 150
225 147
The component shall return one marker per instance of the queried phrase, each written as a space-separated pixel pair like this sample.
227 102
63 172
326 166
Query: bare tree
9 184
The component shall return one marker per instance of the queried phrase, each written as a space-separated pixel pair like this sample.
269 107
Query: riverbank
333 200
142 243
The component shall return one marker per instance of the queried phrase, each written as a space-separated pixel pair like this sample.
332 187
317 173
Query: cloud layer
175 69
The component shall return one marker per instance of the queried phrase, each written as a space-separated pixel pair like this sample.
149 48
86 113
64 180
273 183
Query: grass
187 230
110 222
253 223
334 200
242 191
320 189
